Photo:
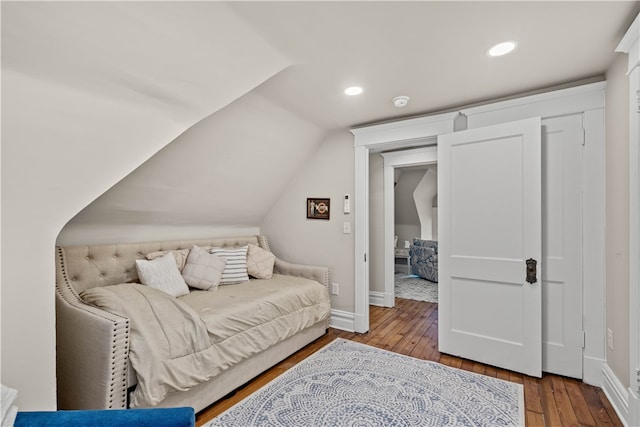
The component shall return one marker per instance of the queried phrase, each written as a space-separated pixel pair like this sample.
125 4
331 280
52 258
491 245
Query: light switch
346 228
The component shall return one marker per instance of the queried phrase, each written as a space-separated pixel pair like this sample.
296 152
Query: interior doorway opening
417 162
415 241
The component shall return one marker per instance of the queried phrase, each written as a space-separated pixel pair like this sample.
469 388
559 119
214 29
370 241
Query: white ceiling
263 82
432 51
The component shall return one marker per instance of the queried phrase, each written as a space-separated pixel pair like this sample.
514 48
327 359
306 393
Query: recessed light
353 90
502 48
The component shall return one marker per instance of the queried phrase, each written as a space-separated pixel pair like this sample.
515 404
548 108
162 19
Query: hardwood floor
411 328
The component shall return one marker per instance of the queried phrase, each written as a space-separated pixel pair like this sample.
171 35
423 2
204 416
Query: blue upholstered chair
424 259
154 417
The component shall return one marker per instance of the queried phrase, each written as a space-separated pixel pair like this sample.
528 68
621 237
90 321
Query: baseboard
343 320
592 371
616 393
634 408
382 299
376 298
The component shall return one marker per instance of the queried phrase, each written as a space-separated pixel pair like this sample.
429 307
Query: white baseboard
343 320
376 298
381 299
616 393
592 370
634 408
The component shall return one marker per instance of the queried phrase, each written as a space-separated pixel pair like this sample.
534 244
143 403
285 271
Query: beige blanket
179 343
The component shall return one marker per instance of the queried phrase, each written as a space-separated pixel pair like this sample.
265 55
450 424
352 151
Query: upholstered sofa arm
91 343
319 274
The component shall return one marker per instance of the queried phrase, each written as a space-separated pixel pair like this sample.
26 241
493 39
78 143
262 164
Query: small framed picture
318 208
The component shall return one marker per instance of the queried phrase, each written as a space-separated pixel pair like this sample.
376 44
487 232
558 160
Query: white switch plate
335 289
347 204
346 227
610 339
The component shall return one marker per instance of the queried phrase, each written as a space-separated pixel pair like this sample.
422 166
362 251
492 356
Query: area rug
409 286
352 384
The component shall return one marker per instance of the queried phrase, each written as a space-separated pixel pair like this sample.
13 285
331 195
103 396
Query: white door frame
371 139
419 156
630 44
588 99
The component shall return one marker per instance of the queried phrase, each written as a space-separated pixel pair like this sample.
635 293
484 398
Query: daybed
135 346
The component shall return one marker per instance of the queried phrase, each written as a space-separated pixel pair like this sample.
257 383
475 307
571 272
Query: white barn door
490 245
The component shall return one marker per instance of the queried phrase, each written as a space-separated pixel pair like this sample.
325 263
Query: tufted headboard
87 266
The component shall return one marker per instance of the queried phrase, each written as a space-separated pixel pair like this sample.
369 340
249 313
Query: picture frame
318 208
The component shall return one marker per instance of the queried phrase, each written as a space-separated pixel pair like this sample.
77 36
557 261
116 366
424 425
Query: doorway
392 161
586 102
416 230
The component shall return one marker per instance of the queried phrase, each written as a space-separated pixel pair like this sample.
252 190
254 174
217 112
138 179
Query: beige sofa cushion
260 262
180 256
203 270
260 312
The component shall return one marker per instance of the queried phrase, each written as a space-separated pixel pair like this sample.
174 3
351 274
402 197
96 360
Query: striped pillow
235 268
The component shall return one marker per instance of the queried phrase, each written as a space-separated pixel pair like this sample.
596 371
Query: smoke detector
400 101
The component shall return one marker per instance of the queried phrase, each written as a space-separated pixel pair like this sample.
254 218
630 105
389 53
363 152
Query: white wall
407 221
617 193
327 173
423 196
84 102
376 221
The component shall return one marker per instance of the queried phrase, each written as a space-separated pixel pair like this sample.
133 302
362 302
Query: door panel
489 197
562 245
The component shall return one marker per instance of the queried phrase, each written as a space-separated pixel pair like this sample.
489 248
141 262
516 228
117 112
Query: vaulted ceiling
239 94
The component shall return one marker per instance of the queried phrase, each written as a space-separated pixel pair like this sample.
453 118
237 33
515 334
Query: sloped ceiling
226 171
432 51
97 88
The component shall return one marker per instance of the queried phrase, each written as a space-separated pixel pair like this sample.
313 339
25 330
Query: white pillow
203 269
235 269
163 274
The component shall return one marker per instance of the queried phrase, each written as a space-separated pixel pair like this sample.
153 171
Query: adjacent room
320 213
416 233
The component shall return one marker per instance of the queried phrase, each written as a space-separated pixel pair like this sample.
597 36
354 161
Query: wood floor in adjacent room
411 328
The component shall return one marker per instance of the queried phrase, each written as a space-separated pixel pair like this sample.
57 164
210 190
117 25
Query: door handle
532 270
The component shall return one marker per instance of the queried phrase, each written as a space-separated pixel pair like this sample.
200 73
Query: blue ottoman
154 417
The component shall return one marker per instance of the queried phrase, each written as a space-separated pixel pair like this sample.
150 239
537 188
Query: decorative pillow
163 274
203 269
179 254
260 262
235 269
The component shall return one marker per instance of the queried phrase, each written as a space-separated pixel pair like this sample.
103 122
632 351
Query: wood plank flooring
411 328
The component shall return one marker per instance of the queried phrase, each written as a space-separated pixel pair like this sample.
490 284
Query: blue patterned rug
409 286
352 384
